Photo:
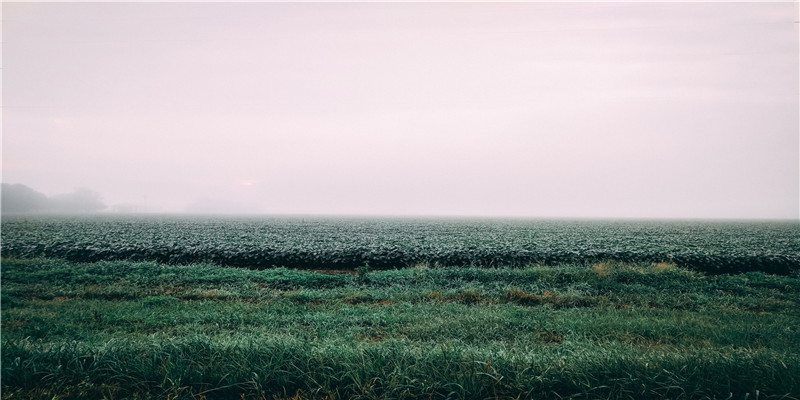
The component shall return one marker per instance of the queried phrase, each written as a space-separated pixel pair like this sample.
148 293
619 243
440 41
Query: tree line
18 198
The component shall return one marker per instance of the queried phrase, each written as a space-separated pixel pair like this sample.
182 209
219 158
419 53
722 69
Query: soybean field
222 307
388 243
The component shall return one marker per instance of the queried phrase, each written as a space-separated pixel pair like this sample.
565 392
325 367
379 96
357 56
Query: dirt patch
355 299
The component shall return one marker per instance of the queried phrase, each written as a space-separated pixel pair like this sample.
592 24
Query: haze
609 110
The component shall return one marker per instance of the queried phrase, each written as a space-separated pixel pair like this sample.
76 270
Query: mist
603 110
19 198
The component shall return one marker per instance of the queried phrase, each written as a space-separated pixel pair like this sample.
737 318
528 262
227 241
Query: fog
18 198
608 110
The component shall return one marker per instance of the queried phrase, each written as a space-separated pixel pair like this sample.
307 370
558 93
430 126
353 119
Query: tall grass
119 330
273 366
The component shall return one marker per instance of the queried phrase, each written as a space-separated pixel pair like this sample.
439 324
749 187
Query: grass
116 330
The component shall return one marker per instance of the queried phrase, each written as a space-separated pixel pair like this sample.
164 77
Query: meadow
588 329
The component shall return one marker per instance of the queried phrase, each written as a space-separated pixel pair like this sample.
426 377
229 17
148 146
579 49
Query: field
388 243
475 310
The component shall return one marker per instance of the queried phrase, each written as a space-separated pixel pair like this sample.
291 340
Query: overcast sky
656 110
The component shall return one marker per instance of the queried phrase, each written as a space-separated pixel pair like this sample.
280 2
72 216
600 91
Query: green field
126 329
148 330
389 243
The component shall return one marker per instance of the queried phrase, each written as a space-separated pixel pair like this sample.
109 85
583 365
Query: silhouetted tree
18 198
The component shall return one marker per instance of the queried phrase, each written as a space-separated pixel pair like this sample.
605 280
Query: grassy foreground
612 331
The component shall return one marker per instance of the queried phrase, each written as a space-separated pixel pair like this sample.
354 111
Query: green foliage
362 272
157 301
349 243
146 330
140 308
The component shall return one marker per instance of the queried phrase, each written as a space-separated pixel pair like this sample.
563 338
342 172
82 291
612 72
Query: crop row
261 258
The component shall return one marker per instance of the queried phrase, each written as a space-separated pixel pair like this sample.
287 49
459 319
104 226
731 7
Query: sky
599 110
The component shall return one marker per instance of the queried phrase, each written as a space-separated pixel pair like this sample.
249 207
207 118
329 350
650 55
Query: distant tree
18 198
82 200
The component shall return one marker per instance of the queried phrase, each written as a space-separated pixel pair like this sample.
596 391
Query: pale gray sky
666 110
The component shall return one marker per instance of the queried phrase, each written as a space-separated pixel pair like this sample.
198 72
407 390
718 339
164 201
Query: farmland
183 308
349 243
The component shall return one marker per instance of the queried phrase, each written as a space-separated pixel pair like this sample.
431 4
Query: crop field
110 307
349 243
